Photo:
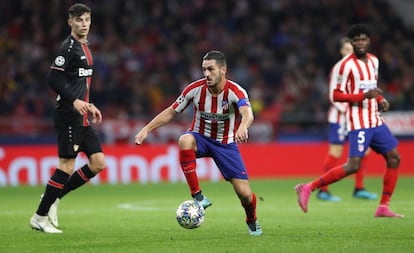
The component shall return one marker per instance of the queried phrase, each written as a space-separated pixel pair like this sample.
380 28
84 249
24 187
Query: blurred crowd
144 52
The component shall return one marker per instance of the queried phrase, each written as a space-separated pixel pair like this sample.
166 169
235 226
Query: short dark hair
216 55
358 29
78 9
343 41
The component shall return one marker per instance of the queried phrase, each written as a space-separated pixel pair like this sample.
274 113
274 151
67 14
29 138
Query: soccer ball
190 214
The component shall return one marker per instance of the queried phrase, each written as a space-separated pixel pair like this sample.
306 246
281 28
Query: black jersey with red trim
70 76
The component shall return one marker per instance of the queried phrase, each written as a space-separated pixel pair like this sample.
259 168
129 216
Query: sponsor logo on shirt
214 117
85 72
368 85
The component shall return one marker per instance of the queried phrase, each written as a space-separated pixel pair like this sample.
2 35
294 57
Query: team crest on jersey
360 148
225 105
59 61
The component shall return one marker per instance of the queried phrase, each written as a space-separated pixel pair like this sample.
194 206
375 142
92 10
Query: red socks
359 175
329 163
388 185
188 165
329 177
250 209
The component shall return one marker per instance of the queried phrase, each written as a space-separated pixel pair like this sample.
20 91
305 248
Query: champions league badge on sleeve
60 61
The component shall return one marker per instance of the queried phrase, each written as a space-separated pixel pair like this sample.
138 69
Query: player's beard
215 81
360 54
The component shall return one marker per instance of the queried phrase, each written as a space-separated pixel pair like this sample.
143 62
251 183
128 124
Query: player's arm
383 103
333 79
95 113
56 79
242 134
340 96
161 119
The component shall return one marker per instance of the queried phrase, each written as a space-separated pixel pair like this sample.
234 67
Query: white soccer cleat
53 218
43 224
53 212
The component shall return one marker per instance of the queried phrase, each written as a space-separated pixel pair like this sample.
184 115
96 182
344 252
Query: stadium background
145 51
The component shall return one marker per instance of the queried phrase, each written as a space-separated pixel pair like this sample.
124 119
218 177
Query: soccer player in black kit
70 77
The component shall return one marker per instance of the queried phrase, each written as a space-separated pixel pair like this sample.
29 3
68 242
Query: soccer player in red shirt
338 135
214 132
357 85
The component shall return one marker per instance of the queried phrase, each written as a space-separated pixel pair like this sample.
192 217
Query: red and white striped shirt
214 116
355 77
337 110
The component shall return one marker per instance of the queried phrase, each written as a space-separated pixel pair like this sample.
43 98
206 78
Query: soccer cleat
385 212
364 194
53 212
205 202
326 196
254 228
43 224
303 191
53 218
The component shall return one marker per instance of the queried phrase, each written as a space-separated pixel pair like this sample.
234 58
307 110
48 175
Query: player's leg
386 144
85 173
67 142
188 147
359 190
304 190
40 220
248 201
336 137
91 145
230 163
88 142
332 160
356 152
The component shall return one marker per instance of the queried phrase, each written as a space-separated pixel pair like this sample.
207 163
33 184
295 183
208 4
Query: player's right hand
373 93
140 137
81 106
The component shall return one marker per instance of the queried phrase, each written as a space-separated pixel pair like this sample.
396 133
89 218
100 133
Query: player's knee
97 163
244 194
393 161
352 167
186 141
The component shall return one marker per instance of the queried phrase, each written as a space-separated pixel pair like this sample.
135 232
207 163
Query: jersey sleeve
56 77
182 102
62 58
333 82
340 93
239 95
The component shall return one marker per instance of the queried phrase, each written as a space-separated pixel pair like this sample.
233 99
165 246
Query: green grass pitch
141 218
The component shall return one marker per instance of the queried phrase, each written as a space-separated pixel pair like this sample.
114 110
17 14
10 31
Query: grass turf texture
141 218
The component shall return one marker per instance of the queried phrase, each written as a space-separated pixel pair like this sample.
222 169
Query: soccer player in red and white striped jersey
338 135
357 86
214 132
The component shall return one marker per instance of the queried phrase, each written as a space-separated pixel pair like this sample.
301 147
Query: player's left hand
95 113
242 135
385 105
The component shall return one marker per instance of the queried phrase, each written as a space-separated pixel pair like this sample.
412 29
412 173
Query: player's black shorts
72 140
